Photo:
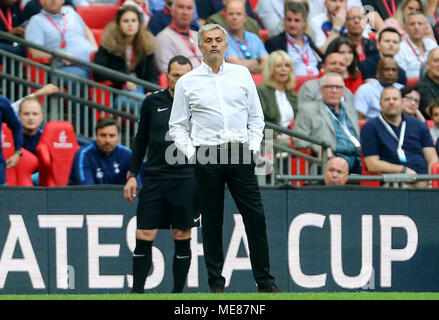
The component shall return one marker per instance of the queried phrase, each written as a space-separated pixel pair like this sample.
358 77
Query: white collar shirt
411 62
214 108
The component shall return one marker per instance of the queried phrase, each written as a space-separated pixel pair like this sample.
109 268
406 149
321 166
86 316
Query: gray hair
415 13
330 74
210 27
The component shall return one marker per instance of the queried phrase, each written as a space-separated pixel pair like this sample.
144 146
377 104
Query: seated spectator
385 8
162 19
244 48
410 102
336 172
414 51
302 50
344 45
429 85
251 25
11 21
388 46
433 112
128 48
327 26
102 161
332 122
399 18
177 39
206 8
310 90
33 7
367 97
59 27
396 143
358 31
278 100
8 116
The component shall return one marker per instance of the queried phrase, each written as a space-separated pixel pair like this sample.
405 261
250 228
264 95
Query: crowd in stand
351 52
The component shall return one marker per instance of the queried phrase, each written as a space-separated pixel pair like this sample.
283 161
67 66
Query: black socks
142 260
181 263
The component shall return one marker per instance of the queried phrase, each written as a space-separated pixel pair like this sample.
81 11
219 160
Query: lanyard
62 33
361 54
436 18
305 58
8 21
414 51
239 45
190 44
386 5
345 128
392 133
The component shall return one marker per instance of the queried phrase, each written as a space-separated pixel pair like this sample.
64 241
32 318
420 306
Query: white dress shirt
411 62
217 108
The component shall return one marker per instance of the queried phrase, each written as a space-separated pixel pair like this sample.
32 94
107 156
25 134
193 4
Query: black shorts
168 202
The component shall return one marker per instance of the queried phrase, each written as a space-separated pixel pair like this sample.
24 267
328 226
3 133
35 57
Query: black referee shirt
153 136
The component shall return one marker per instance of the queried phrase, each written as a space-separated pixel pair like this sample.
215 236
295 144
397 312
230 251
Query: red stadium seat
299 166
302 79
34 74
55 152
163 80
21 174
257 78
264 34
97 33
97 17
430 124
253 3
412 81
361 123
435 170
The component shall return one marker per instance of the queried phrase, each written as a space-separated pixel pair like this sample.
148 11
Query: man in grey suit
310 90
331 121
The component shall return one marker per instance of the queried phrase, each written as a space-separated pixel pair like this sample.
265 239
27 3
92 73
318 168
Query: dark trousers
243 186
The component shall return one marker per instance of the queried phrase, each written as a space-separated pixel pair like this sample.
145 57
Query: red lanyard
191 45
361 54
8 21
414 51
62 33
305 58
436 18
386 5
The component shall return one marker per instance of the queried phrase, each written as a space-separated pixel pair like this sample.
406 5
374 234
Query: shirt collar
208 69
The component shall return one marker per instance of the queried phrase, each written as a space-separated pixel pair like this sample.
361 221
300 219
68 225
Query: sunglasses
244 49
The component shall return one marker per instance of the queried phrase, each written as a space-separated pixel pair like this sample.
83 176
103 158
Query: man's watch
336 29
132 175
259 59
404 169
19 152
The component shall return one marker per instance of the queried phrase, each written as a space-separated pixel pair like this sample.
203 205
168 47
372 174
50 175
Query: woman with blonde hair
279 101
397 21
128 48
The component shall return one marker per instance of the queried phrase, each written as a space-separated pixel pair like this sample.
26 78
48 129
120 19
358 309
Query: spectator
102 161
414 51
325 27
399 19
352 76
162 19
336 172
388 43
206 8
128 48
385 8
310 90
332 122
245 48
396 143
59 27
410 102
302 50
8 116
177 39
278 100
433 112
429 86
367 97
34 7
11 22
358 31
251 25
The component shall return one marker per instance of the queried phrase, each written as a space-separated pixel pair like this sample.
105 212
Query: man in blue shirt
102 161
8 116
245 48
397 143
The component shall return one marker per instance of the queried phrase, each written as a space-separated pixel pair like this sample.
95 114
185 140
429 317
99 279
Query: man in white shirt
219 101
367 97
414 51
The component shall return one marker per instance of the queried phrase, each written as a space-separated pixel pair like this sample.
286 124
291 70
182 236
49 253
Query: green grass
236 296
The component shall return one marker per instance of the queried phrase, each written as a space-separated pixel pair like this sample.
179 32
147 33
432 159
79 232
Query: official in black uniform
167 195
